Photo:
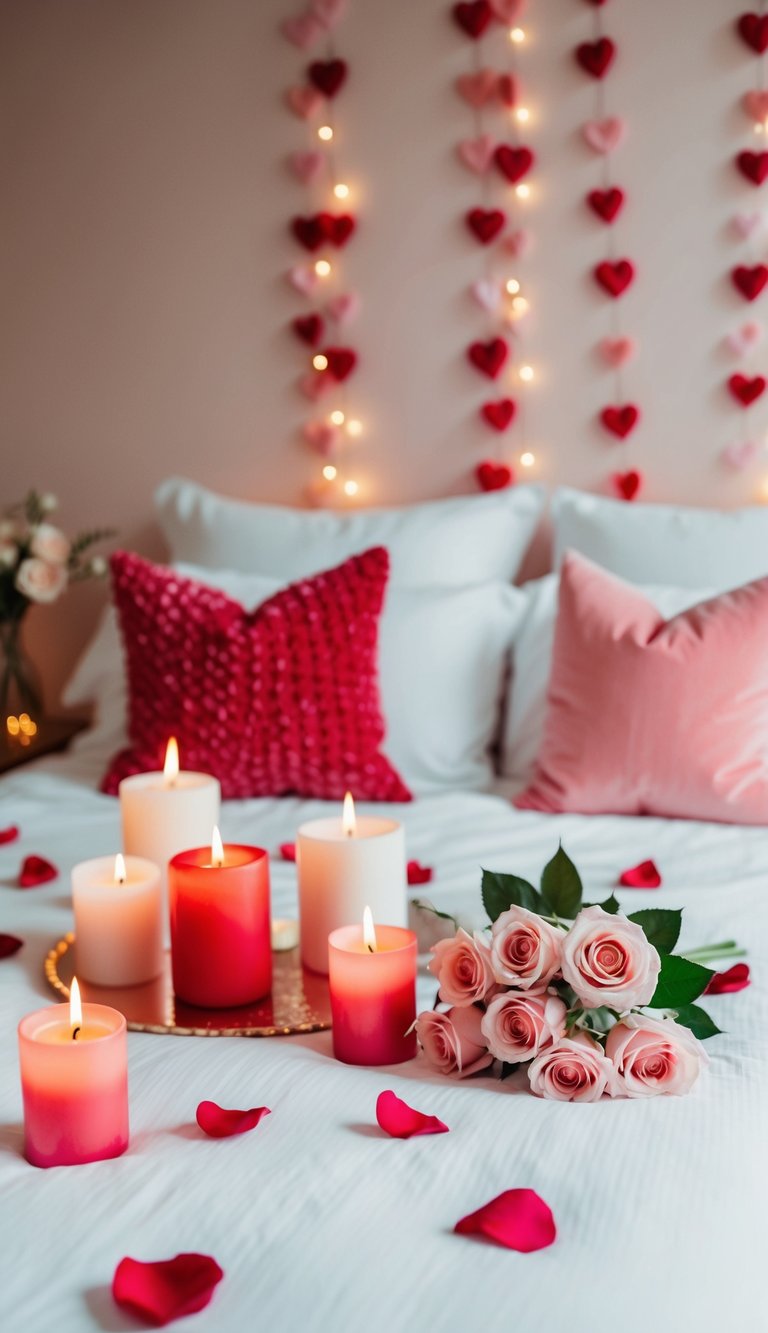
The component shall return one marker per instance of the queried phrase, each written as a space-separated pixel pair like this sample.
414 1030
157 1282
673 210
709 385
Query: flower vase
20 690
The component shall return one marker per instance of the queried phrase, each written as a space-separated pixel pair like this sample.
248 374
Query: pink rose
49 543
608 961
463 968
518 1026
525 950
574 1070
39 580
453 1042
654 1056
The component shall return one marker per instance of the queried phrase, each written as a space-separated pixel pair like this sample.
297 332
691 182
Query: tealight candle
342 865
74 1082
372 981
162 813
221 952
118 920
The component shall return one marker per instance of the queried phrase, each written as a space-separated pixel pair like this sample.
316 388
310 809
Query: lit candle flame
120 872
217 848
369 933
171 765
348 818
75 1009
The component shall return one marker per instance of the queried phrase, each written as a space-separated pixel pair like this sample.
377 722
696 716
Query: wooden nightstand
53 733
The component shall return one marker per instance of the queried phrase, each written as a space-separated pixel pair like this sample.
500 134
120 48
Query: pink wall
144 246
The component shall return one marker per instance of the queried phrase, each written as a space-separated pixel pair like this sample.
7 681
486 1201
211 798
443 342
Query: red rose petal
288 851
36 870
9 945
221 1124
419 874
643 876
724 983
518 1219
401 1121
165 1290
9 834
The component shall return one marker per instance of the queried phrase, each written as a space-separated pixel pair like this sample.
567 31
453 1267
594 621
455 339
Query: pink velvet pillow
282 699
654 717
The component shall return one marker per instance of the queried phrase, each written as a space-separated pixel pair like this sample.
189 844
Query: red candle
221 952
372 980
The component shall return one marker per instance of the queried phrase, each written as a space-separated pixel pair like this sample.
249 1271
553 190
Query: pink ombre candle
75 1091
221 953
373 995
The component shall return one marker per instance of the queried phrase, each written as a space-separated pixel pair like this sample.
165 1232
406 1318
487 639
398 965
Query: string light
516 35
351 487
325 133
513 286
523 115
527 459
322 268
320 362
341 191
526 373
520 307
354 427
337 418
329 472
523 191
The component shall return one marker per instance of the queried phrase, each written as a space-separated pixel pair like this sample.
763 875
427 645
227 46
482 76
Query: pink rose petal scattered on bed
401 1121
518 1219
288 851
9 834
9 945
36 870
159 1292
419 874
643 876
733 979
218 1123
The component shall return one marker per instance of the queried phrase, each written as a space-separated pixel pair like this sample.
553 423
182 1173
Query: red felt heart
749 281
614 276
628 483
746 390
513 163
595 57
309 328
401 1121
341 362
620 421
753 29
643 876
493 476
36 870
725 983
498 414
473 18
606 203
488 357
753 165
159 1292
9 945
339 228
220 1124
313 231
327 75
518 1219
507 90
288 851
485 223
9 834
419 874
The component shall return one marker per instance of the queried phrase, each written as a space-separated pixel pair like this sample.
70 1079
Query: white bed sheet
320 1222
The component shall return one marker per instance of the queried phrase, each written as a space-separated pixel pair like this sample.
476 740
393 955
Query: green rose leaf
698 1020
660 925
680 981
561 886
503 891
507 1069
610 905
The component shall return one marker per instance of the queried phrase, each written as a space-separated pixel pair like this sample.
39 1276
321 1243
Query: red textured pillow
281 699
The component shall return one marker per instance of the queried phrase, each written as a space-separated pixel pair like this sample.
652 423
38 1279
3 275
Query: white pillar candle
166 813
118 906
345 864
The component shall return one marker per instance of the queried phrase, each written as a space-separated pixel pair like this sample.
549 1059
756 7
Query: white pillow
663 544
443 663
469 539
527 698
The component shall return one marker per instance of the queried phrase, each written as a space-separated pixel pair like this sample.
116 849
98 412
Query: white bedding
320 1222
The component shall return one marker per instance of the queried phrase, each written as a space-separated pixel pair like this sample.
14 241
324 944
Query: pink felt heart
518 1219
506 89
487 293
322 435
476 153
745 224
755 104
604 136
303 30
401 1121
478 88
740 453
303 278
314 384
743 339
304 102
617 351
507 11
344 308
329 12
518 242
306 166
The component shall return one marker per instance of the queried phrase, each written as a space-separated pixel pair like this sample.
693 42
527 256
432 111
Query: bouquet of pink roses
589 1000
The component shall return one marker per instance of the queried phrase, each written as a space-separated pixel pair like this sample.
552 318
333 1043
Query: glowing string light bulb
526 374
341 191
520 307
354 427
337 417
325 132
516 35
329 472
522 115
527 459
320 362
513 286
523 191
351 487
322 268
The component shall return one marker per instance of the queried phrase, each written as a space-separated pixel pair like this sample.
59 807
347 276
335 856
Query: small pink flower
525 950
453 1042
608 961
39 580
653 1057
49 543
518 1026
574 1070
463 968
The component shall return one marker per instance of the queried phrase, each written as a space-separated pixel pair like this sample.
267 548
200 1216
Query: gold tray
299 1001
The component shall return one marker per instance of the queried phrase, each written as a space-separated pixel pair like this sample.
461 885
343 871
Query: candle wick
75 1032
370 948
